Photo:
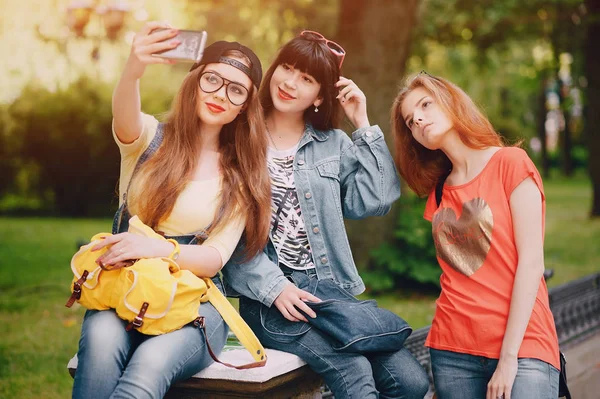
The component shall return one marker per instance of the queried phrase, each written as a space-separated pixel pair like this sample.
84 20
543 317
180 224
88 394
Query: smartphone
191 47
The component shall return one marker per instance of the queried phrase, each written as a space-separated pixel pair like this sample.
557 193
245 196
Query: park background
530 65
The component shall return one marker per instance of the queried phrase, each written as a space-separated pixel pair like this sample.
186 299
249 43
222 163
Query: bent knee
103 335
417 387
103 325
352 378
409 386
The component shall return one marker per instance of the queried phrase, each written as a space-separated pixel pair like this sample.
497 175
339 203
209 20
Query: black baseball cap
214 54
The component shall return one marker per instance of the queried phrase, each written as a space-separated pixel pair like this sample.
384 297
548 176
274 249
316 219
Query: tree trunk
592 66
541 122
566 136
560 43
377 37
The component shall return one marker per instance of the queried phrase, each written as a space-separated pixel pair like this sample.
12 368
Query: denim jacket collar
316 134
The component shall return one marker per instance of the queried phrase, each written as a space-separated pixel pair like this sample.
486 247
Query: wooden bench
284 376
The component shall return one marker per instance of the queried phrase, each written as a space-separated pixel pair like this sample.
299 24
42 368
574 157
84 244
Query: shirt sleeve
130 153
135 148
430 206
368 178
516 167
226 239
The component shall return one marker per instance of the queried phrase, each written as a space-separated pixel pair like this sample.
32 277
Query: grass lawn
39 334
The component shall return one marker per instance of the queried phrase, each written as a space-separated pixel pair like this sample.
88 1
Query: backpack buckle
76 295
138 321
199 322
76 290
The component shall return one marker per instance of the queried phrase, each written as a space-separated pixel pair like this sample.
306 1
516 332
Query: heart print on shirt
464 242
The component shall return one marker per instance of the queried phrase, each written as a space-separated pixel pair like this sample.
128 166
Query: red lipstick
215 108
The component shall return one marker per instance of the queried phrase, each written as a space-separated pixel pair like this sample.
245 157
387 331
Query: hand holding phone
190 49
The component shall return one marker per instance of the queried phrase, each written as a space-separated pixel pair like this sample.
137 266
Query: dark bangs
314 58
311 57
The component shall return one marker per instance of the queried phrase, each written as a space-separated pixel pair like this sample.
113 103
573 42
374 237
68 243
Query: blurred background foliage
524 62
531 65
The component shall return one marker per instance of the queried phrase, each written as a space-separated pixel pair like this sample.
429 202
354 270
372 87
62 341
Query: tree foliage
409 256
57 154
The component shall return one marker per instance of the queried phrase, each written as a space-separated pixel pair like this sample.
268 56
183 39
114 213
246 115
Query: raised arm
368 177
126 103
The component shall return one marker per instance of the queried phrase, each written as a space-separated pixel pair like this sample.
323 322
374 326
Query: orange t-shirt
476 249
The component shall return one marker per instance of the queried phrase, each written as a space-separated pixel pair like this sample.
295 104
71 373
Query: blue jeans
382 375
114 363
459 375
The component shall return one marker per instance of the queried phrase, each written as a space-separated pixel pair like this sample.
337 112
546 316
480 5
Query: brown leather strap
138 320
77 289
118 265
199 322
203 234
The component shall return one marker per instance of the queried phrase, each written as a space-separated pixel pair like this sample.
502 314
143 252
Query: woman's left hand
127 246
501 383
353 102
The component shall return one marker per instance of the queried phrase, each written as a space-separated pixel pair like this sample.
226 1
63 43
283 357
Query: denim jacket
335 177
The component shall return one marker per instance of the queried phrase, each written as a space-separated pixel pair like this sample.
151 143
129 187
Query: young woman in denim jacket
204 166
319 176
493 334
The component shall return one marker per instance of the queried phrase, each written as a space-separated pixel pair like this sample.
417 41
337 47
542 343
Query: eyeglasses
211 82
335 48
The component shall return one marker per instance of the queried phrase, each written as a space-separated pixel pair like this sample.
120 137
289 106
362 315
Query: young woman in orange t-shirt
493 334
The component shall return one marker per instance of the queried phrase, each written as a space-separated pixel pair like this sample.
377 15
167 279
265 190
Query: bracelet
175 254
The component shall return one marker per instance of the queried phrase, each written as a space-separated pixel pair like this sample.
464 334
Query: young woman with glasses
200 173
493 334
319 175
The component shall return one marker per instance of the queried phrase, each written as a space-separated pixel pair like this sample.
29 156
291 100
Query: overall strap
152 148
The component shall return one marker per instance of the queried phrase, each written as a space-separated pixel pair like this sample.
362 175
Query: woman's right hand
293 298
146 42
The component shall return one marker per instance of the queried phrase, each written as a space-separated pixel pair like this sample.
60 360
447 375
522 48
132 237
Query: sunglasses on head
424 72
335 48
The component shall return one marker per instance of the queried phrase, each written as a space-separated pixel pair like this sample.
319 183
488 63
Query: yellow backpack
154 294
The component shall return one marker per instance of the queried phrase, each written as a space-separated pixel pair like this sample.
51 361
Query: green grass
572 239
39 335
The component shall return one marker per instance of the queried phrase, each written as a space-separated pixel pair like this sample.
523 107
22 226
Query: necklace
271 136
287 170
273 141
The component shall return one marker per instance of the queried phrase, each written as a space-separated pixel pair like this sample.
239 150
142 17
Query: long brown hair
242 144
420 167
316 59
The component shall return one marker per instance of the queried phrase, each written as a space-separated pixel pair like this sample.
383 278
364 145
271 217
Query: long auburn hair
420 167
314 58
245 186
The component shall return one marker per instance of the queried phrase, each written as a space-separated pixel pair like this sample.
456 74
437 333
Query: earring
316 109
